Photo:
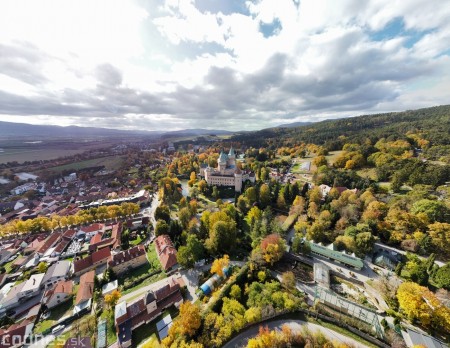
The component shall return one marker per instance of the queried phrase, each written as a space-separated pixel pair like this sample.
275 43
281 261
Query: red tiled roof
86 289
127 255
167 254
69 234
49 242
64 287
97 238
100 255
92 228
62 245
15 330
116 234
95 257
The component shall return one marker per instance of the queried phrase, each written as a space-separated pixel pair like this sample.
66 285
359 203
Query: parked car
57 329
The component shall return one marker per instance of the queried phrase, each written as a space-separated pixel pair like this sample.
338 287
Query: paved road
296 326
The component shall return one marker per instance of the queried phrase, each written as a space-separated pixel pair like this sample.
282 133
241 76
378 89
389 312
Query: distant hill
432 123
195 132
293 124
11 129
18 130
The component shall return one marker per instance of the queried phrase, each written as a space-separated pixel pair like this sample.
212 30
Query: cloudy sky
223 64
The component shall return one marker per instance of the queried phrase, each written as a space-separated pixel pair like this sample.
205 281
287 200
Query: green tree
250 193
264 195
162 212
364 243
191 253
222 237
442 277
235 292
161 228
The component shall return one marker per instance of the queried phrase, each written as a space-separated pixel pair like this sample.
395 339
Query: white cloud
116 64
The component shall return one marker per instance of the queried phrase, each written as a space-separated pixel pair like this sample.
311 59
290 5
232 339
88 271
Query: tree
187 323
219 264
419 303
112 298
273 248
215 193
434 210
288 281
235 292
42 267
222 237
442 277
184 215
243 203
250 193
364 243
264 195
440 236
191 253
161 228
320 161
162 212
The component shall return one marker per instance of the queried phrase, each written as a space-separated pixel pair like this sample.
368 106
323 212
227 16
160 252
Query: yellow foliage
219 264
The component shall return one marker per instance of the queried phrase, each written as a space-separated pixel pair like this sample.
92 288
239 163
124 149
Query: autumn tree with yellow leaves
419 303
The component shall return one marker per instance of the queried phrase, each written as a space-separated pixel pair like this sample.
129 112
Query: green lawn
145 282
152 257
137 241
8 266
63 310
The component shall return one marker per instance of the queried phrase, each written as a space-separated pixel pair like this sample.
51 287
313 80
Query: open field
110 163
331 157
23 155
22 150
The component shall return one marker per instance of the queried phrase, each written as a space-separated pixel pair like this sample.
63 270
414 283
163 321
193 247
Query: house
32 286
11 299
167 254
5 255
110 287
16 335
49 242
92 261
128 259
116 234
85 292
56 272
90 231
129 317
58 294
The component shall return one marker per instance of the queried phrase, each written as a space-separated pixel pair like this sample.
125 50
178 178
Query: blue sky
174 64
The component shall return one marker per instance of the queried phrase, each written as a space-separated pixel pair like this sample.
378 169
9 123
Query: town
202 242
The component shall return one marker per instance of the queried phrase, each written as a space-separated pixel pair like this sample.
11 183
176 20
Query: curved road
296 325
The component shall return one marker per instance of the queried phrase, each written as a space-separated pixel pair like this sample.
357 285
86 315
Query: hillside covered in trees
432 123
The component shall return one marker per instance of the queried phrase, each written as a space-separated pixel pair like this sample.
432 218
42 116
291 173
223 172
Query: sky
219 64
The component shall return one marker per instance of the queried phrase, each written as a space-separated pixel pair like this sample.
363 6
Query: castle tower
222 162
232 157
238 180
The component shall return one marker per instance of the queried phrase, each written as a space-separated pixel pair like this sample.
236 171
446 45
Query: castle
227 172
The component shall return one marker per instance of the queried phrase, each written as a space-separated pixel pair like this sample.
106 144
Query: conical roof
223 157
231 153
